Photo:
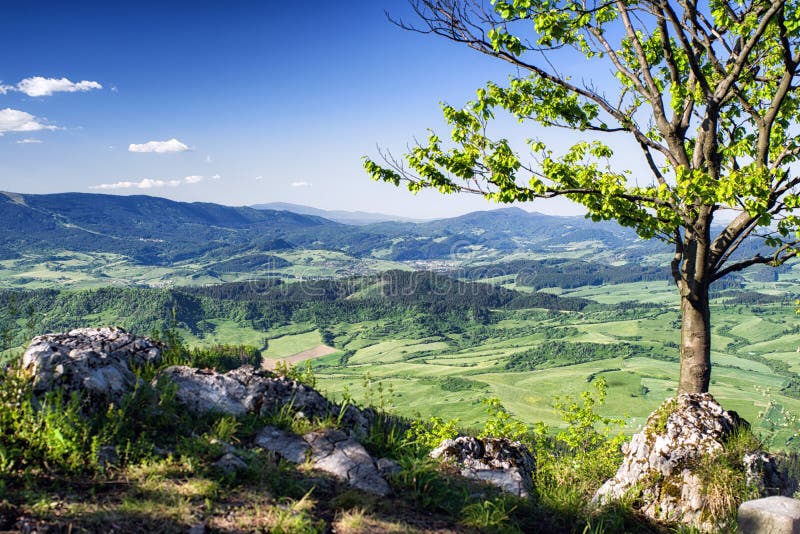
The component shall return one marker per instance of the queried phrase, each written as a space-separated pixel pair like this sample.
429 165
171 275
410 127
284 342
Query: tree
707 92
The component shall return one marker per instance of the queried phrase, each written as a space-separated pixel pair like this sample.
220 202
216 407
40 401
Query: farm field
64 269
437 348
434 377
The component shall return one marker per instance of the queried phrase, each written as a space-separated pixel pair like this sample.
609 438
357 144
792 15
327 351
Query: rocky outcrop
661 462
96 362
498 461
243 390
250 390
330 451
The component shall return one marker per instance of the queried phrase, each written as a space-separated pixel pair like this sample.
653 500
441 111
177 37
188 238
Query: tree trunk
695 341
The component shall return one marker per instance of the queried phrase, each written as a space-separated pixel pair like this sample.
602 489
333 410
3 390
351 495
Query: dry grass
357 521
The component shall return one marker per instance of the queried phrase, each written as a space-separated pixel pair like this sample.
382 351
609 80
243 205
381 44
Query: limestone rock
660 461
387 467
243 390
498 461
330 451
93 361
773 515
288 446
763 472
250 390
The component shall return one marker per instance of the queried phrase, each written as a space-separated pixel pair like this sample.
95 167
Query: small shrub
304 375
431 433
225 429
659 426
573 464
501 424
387 436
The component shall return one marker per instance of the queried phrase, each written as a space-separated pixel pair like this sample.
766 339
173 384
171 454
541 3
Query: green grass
287 345
636 386
225 332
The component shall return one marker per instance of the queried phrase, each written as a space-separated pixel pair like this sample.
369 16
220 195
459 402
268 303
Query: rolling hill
80 240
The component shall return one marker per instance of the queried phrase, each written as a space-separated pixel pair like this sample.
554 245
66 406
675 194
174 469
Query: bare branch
781 256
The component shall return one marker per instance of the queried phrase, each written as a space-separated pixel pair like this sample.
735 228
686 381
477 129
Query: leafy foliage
431 433
501 424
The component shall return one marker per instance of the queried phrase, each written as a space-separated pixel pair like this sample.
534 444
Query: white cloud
300 184
28 141
145 183
259 178
40 86
208 159
160 147
5 88
14 120
149 183
216 177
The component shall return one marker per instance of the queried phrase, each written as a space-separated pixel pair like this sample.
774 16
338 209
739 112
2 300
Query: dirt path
317 352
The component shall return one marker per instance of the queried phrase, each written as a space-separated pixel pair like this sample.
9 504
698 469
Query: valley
425 319
421 344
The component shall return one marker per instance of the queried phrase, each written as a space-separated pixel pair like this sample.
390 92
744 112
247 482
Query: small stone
334 452
330 451
107 456
388 467
771 515
229 463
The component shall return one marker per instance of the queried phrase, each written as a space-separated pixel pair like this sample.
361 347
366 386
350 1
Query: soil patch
317 352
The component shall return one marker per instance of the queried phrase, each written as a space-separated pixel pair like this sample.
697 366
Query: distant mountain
150 230
205 236
356 218
509 230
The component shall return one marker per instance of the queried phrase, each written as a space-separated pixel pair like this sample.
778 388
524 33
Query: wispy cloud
259 178
149 183
29 141
40 86
14 120
300 184
159 147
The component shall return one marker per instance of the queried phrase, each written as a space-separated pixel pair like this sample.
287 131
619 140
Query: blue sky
232 102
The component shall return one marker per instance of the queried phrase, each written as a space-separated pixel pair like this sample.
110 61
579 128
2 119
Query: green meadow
435 377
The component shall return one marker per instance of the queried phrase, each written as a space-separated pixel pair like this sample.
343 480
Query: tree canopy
706 91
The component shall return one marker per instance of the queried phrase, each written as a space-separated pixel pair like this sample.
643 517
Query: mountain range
345 217
155 229
211 242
